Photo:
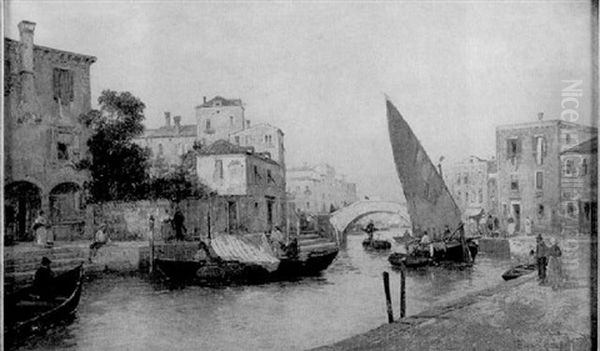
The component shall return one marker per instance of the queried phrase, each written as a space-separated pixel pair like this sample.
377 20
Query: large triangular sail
430 205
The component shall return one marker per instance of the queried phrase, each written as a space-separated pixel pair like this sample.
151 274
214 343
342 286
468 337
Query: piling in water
402 292
388 298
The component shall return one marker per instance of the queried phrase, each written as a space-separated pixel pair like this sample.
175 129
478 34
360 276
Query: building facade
252 183
467 181
168 144
46 90
264 138
529 170
317 190
579 188
217 118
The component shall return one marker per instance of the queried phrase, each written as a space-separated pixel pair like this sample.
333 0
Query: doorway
516 212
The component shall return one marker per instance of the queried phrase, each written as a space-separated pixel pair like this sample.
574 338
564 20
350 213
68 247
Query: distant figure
528 225
100 239
555 273
510 228
541 259
426 243
166 225
447 232
40 228
370 229
43 283
178 225
406 235
490 224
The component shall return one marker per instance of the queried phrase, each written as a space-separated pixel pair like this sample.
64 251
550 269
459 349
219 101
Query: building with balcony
46 91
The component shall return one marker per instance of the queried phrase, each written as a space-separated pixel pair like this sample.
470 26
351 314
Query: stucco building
317 190
168 143
467 181
579 188
252 183
46 91
529 169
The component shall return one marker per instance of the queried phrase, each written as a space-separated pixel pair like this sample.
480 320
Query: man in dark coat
178 220
43 283
541 258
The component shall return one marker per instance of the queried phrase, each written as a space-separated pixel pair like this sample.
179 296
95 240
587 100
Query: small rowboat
518 271
411 261
376 244
25 313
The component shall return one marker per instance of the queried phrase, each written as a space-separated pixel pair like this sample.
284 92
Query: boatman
370 229
43 283
426 242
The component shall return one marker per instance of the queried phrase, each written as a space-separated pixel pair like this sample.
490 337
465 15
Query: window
62 151
540 211
257 176
466 181
458 180
237 140
160 149
219 168
568 138
569 168
231 121
539 180
584 167
308 205
514 182
62 81
513 147
539 149
505 210
466 196
208 124
269 177
571 210
480 195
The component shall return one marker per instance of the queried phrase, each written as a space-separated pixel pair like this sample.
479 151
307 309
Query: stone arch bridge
344 217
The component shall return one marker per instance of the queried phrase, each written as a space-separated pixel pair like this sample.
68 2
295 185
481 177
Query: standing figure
490 225
40 228
43 283
510 228
528 225
100 239
370 229
541 258
178 219
555 273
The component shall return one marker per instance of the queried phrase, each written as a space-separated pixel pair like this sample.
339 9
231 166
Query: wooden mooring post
388 297
402 292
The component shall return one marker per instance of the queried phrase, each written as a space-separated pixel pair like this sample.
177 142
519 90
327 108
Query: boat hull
518 271
422 257
24 315
376 244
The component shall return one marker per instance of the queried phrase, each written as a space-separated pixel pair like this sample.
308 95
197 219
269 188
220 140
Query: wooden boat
374 244
235 260
26 313
517 271
411 261
430 205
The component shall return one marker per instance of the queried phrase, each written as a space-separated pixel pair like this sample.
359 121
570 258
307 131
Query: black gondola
26 313
374 244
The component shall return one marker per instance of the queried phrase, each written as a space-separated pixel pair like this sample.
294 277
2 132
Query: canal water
129 313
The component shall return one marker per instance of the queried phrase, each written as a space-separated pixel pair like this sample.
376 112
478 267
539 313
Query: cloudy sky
319 70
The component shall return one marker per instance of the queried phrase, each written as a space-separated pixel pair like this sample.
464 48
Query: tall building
529 169
252 183
579 188
219 117
317 190
467 181
46 91
168 143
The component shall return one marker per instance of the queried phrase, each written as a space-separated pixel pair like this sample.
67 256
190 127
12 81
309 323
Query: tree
118 166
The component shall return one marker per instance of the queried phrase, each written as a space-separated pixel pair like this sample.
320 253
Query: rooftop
223 147
587 147
221 101
543 123
45 49
186 130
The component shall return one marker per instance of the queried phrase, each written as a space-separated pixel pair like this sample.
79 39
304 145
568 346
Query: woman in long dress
39 227
555 273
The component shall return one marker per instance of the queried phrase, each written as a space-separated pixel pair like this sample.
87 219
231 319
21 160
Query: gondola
411 261
373 244
26 313
518 271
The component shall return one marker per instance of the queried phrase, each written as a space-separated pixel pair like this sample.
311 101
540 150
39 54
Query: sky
319 70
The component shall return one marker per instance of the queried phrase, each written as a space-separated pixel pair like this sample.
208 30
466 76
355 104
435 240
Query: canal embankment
514 315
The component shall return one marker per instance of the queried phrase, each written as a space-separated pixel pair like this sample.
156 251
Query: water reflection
120 313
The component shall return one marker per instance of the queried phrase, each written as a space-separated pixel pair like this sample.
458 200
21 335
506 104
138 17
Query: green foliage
118 166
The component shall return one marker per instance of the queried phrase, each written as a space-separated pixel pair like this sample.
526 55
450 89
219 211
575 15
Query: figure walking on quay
555 273
100 239
540 255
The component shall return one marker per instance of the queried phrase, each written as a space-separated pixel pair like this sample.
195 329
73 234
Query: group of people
175 223
549 264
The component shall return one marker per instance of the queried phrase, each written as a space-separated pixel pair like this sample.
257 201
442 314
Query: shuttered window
63 85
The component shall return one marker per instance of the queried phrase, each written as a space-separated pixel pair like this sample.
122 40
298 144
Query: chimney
540 116
177 120
168 119
26 72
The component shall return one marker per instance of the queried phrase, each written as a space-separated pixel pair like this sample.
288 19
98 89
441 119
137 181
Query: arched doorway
65 203
23 200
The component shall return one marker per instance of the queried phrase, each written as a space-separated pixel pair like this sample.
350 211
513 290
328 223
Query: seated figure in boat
277 241
43 283
426 243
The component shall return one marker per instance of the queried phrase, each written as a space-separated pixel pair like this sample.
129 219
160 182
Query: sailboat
432 210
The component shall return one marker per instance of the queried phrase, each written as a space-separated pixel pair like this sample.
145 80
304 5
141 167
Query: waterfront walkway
516 315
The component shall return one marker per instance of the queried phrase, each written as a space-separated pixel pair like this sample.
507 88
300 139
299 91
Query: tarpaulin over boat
250 249
430 205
